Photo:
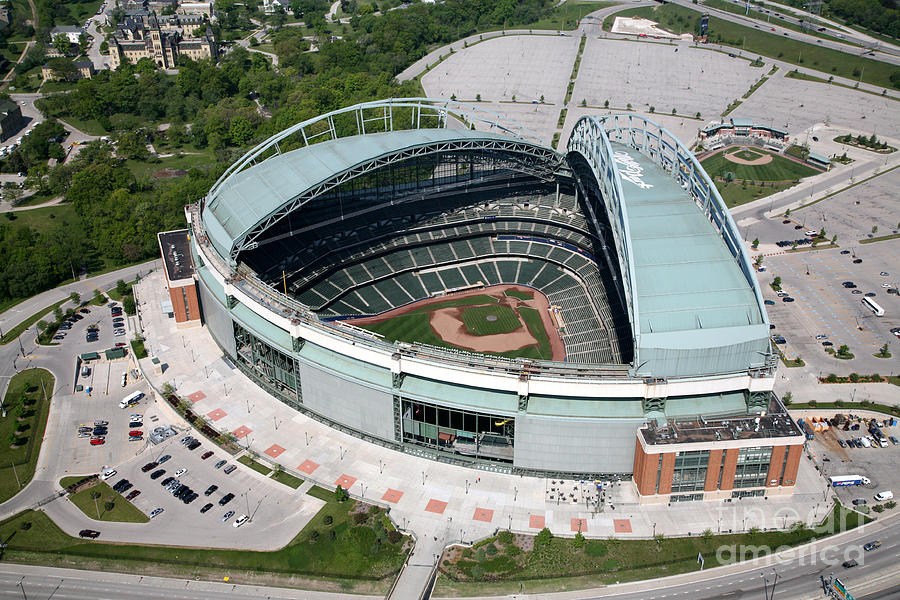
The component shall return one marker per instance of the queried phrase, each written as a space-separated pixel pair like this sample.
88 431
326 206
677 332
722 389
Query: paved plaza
432 499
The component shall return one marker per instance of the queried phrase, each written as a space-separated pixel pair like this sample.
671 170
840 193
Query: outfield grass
476 319
17 464
681 19
779 169
258 467
519 295
19 329
353 554
533 321
123 511
606 561
470 301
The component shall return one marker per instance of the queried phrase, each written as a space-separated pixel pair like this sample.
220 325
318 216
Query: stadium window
430 415
443 417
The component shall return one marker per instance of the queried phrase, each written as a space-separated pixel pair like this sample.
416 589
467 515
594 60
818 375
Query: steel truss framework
544 164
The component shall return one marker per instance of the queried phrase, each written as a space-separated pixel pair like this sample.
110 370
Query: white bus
131 399
873 306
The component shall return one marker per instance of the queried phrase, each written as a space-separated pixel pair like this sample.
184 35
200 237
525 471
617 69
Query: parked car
229 469
163 458
156 512
97 441
220 464
89 533
157 474
206 454
206 507
132 495
149 466
210 490
227 515
180 472
240 521
226 499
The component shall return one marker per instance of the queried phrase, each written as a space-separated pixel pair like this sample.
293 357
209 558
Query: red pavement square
242 432
217 414
345 481
483 514
196 396
536 521
622 525
308 467
579 525
274 450
392 496
436 506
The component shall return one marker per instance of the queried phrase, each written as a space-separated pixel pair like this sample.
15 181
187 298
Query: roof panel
685 277
251 195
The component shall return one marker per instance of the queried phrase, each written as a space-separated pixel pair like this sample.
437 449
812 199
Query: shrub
340 494
477 572
360 518
878 508
854 377
506 537
579 540
595 548
328 520
890 504
491 550
543 538
812 402
394 536
314 535
832 378
332 534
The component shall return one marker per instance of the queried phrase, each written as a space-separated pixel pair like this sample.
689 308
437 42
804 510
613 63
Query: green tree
84 43
755 243
543 538
131 144
62 44
63 68
128 304
606 104
874 229
787 398
75 298
240 131
104 47
108 505
121 287
95 495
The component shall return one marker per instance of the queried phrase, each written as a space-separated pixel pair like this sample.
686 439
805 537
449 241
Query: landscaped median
508 563
27 404
98 501
348 546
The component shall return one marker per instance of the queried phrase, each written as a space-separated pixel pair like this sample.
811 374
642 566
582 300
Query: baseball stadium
434 279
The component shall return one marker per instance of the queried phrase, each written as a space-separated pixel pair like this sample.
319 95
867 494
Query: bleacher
389 259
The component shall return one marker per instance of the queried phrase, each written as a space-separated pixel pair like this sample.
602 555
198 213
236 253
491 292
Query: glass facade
690 471
461 432
271 368
752 467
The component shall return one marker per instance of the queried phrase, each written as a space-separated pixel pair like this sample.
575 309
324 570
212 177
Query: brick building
162 39
717 458
174 246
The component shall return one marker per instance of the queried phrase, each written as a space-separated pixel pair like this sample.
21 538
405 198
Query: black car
128 485
206 507
148 467
857 261
210 490
787 299
100 431
226 499
157 474
134 424
845 252
842 443
89 533
191 497
193 445
119 484
163 458
166 481
848 284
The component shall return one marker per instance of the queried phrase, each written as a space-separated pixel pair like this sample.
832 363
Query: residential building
11 120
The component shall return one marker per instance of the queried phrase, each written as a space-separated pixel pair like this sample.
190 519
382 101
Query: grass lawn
357 552
89 126
29 420
680 19
137 346
566 16
115 295
519 295
185 162
16 331
779 169
776 21
258 467
490 320
735 194
122 511
604 561
81 10
287 479
42 219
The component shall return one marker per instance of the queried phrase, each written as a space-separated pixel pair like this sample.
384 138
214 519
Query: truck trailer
846 480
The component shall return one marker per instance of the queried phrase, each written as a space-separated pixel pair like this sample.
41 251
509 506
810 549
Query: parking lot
876 463
277 512
823 306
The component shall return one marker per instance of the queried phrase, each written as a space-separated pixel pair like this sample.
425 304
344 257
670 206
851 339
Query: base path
765 159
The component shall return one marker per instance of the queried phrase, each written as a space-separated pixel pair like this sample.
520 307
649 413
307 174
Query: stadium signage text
632 171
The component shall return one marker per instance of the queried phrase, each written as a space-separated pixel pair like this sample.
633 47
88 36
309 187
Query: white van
885 495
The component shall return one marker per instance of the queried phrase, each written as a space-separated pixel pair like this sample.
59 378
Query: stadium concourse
668 372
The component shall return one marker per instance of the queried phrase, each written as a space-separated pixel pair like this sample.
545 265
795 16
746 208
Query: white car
119 333
885 285
240 521
107 474
156 512
180 472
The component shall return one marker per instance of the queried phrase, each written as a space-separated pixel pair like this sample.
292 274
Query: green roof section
559 406
686 278
257 192
344 365
491 401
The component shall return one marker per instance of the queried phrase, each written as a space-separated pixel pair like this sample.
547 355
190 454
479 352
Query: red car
97 442
207 454
134 494
120 344
135 433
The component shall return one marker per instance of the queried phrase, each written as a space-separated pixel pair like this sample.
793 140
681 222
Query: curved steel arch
544 162
422 108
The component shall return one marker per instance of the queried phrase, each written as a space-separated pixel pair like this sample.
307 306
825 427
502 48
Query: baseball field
756 165
509 321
